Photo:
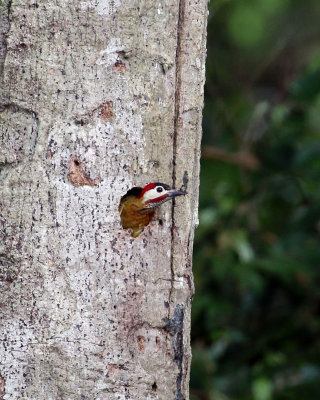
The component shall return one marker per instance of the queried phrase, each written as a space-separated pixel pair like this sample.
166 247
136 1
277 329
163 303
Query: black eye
159 189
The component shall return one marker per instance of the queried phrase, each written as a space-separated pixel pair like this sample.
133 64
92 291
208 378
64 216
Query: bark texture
97 96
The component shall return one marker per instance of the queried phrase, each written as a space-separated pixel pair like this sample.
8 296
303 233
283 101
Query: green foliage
256 312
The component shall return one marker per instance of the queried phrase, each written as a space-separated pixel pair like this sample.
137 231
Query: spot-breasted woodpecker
138 205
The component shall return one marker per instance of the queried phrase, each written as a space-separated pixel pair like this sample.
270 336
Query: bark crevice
178 62
175 327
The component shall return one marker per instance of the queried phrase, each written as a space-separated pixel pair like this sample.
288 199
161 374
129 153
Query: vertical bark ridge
178 62
5 21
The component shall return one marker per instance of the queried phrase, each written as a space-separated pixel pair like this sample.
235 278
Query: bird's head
154 194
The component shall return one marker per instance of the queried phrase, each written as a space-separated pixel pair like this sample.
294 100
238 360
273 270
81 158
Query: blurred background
256 311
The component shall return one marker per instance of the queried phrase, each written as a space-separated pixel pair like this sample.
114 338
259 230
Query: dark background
256 311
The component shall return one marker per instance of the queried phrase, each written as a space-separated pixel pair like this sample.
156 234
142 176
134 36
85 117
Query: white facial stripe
153 194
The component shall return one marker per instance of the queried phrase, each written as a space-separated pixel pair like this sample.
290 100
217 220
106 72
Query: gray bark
97 96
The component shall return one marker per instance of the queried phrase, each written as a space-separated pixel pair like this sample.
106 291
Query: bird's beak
174 193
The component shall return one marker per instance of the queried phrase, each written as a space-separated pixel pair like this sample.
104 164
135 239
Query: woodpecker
138 205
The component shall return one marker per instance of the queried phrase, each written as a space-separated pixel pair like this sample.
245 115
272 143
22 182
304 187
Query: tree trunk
97 96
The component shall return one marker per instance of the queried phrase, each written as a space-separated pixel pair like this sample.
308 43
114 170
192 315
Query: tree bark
97 96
